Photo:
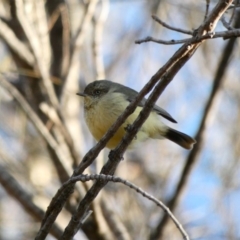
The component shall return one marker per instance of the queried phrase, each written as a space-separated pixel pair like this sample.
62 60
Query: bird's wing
131 94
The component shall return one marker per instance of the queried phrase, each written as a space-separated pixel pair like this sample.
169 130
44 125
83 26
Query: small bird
105 101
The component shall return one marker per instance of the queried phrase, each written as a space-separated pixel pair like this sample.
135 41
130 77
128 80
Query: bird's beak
82 94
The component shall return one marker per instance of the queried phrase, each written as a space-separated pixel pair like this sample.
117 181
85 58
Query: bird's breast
102 114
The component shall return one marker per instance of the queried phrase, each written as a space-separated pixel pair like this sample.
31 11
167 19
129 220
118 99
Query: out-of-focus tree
51 49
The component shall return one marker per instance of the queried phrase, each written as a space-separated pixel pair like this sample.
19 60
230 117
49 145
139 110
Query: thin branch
170 42
84 178
225 35
16 191
233 14
170 27
226 24
207 9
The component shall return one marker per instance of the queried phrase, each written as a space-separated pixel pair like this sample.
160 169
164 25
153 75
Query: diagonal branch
154 17
225 34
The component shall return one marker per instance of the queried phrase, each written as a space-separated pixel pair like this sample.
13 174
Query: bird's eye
96 92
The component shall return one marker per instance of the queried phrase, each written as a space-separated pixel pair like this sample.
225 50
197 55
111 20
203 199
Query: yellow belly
99 124
99 119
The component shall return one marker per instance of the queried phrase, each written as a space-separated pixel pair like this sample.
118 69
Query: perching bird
104 102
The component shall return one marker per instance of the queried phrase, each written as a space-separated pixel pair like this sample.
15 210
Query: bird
105 101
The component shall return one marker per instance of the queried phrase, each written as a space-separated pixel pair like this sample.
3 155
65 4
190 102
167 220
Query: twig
233 13
170 42
207 9
111 178
226 24
225 34
170 27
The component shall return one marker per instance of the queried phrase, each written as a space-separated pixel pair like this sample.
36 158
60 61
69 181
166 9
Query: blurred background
77 42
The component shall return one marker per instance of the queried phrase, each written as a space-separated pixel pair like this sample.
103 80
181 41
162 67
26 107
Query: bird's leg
128 128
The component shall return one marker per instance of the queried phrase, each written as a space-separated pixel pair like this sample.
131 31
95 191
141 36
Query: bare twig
170 27
170 42
226 24
210 35
111 178
207 9
233 13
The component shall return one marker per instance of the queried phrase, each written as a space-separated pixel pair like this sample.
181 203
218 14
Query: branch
84 178
225 34
170 27
207 9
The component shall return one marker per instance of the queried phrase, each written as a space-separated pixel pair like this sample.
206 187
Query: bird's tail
180 138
